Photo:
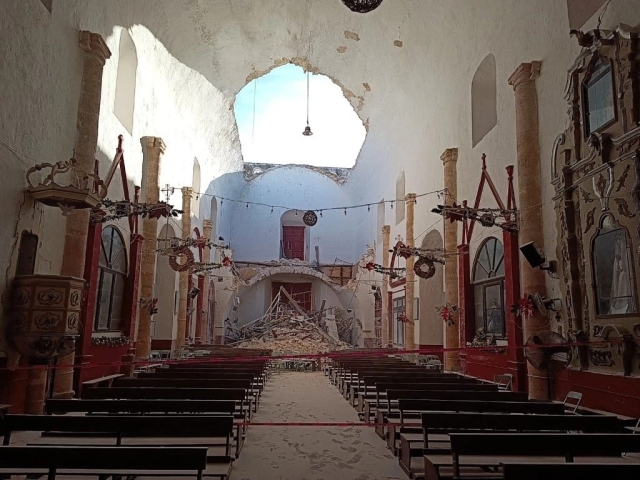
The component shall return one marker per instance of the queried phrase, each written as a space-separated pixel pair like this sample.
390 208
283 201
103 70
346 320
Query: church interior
318 239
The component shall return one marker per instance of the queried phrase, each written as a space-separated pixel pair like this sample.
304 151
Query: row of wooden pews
184 419
445 426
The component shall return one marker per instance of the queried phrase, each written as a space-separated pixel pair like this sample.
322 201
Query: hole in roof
271 113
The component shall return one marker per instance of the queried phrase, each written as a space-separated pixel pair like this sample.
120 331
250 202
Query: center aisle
311 453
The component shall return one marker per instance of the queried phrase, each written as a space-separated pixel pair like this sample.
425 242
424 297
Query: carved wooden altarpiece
595 169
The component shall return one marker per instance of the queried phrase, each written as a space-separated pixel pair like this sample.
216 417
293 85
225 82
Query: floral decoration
446 313
110 341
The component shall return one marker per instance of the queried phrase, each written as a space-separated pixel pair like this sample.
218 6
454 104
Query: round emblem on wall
310 218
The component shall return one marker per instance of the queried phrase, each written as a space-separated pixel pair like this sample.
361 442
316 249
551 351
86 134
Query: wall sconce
536 257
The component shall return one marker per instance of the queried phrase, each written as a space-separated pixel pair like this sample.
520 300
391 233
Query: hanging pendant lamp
307 130
362 6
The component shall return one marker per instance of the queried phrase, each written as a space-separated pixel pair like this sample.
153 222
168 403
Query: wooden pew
244 384
355 385
382 384
128 430
356 374
437 425
413 405
473 453
412 408
108 461
570 471
166 393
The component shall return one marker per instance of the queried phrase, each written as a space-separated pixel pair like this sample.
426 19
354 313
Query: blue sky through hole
275 135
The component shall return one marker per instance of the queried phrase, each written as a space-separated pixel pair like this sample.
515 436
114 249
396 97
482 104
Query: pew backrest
139 406
570 471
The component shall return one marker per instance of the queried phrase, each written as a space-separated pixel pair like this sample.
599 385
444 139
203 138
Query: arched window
613 278
488 281
126 81
381 214
214 217
111 280
400 194
196 185
484 111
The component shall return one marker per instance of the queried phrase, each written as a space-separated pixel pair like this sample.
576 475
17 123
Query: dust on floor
311 453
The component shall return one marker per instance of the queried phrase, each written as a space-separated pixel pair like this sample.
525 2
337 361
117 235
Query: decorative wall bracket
66 186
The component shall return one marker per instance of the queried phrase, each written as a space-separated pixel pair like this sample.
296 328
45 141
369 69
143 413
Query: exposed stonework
253 275
254 170
398 43
351 36
341 49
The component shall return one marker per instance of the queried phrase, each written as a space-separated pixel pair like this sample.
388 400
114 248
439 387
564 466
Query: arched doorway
167 290
431 297
294 237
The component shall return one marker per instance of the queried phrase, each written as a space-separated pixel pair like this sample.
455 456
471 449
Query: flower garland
109 210
110 341
392 272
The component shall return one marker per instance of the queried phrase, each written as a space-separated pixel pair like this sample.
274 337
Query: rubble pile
295 341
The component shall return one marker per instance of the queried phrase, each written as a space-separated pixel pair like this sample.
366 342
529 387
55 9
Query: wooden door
293 242
301 293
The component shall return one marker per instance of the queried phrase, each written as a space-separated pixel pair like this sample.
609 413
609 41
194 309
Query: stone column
207 228
529 200
95 54
153 148
36 390
187 193
452 333
387 328
410 343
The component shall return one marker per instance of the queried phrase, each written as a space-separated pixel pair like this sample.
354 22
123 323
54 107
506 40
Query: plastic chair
572 401
504 382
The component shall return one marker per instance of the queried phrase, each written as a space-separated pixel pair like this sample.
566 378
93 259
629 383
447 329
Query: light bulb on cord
307 130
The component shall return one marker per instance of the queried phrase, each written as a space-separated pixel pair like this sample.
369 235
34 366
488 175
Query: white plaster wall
255 231
38 121
416 101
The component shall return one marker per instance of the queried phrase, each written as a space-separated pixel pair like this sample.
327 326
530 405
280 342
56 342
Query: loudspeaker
532 255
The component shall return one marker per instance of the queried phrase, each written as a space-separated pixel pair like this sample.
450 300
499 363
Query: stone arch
431 296
484 110
123 107
255 293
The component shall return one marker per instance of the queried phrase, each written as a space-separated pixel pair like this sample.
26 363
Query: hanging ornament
446 313
310 218
181 252
362 6
424 268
